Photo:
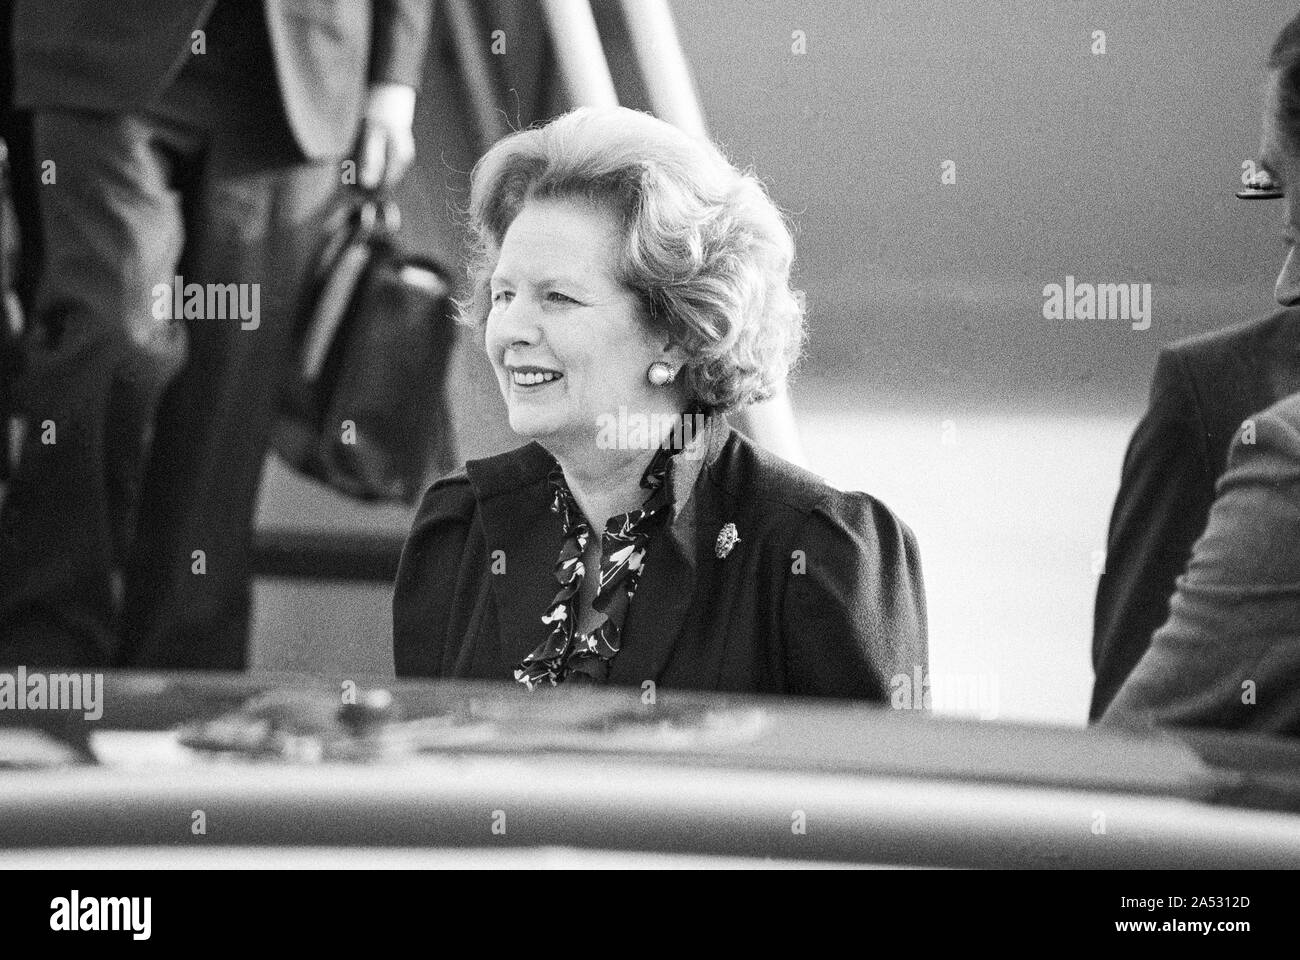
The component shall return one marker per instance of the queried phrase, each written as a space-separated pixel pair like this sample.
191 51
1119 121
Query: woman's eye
502 296
556 297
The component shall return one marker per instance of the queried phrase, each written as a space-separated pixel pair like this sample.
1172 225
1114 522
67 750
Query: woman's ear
674 355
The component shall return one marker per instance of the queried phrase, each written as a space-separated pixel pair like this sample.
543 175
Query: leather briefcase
364 409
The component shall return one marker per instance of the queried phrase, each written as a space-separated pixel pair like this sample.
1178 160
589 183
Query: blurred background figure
1229 654
19 235
175 143
15 130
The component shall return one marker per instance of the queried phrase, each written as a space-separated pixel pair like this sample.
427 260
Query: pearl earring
660 374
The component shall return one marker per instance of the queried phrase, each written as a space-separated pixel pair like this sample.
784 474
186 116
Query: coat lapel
671 579
515 504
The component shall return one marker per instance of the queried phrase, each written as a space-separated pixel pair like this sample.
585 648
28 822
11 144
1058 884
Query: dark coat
115 57
1203 389
822 595
1229 655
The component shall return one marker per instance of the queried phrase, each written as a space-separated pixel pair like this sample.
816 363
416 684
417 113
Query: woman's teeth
530 379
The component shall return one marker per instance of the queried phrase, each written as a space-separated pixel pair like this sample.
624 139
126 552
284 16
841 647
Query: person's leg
16 128
95 365
188 585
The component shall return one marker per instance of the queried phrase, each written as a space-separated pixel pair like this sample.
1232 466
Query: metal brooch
727 539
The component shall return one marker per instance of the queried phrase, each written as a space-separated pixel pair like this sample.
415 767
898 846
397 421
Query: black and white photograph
648 435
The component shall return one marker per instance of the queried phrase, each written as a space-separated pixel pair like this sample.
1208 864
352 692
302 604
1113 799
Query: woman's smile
529 379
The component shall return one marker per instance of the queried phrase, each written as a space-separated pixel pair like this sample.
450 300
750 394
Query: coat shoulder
1280 424
1257 338
447 497
460 494
1218 379
506 472
792 494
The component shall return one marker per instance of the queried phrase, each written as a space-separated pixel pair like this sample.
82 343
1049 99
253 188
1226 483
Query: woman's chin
554 433
533 424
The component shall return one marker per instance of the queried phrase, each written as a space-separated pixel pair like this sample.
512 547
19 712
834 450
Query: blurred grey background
932 379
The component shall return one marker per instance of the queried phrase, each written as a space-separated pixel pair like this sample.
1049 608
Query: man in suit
1203 389
177 143
1228 658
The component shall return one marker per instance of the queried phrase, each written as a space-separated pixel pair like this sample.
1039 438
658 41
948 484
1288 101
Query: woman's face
564 335
1280 159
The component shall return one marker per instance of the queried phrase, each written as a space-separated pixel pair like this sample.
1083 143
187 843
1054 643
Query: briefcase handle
378 212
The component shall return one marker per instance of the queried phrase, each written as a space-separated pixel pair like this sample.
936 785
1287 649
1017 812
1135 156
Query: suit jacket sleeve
432 579
1229 655
398 37
1164 496
855 618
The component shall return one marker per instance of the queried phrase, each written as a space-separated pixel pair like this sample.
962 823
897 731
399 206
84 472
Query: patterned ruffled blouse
566 654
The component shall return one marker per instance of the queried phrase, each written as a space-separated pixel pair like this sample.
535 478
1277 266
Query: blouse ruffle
567 655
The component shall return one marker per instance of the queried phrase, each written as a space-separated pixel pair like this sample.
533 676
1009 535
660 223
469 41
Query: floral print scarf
566 654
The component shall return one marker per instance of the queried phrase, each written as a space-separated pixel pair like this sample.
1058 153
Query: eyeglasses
1260 185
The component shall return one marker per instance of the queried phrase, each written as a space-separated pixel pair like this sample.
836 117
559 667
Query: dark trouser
86 579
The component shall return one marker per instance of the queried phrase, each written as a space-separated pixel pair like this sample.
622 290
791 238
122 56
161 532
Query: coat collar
514 504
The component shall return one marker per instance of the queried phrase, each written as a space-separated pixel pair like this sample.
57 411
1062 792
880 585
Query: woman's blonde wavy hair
704 247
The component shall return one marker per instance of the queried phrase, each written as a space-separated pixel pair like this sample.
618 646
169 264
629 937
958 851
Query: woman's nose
514 322
1287 289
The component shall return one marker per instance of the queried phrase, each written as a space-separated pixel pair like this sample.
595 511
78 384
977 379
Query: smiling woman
624 272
